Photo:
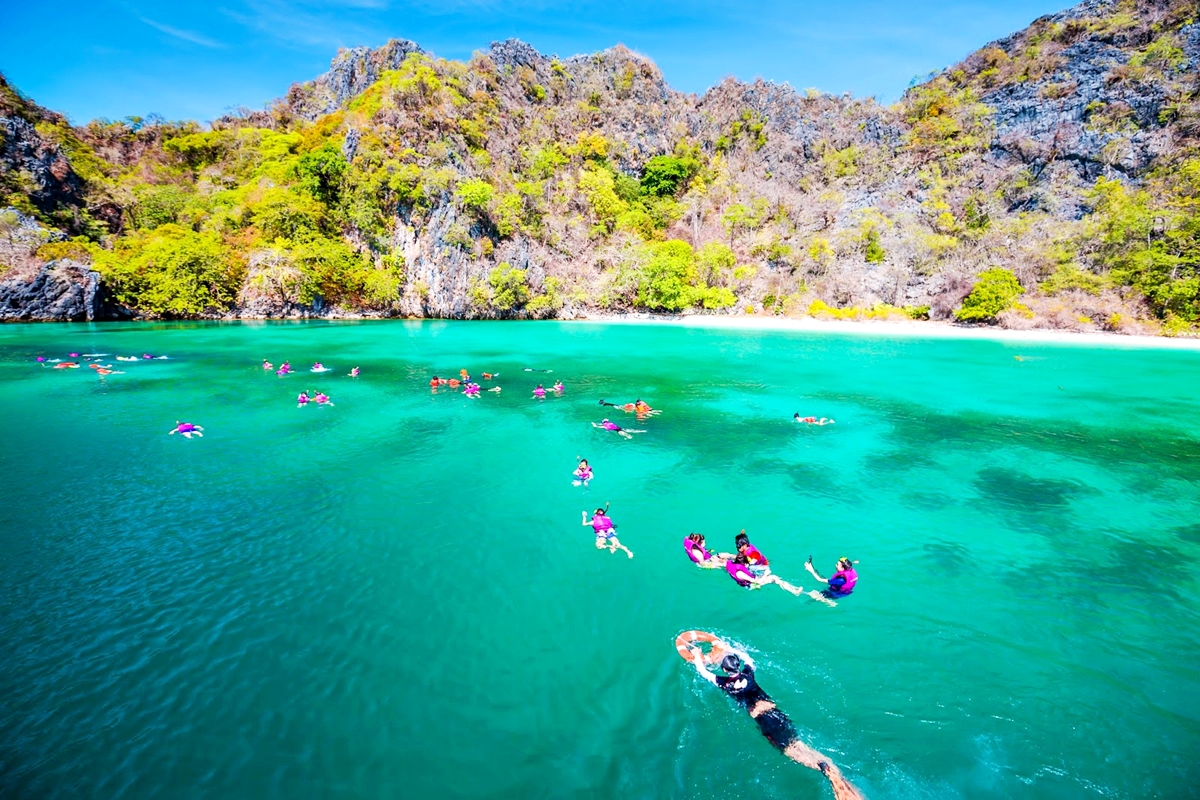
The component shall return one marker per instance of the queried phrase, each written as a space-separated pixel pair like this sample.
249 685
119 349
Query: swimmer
322 399
606 531
281 372
40 359
626 407
354 372
643 409
615 428
452 383
739 683
187 429
127 358
539 392
487 376
267 366
76 355
812 420
693 545
557 388
754 558
435 382
842 582
102 371
738 568
495 389
66 365
302 400
531 369
466 376
472 391
317 366
583 473
286 366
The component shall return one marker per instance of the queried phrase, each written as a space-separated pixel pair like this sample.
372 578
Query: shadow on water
918 431
1188 533
805 478
1136 567
950 557
1021 492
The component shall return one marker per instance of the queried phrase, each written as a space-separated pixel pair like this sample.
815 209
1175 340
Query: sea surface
393 597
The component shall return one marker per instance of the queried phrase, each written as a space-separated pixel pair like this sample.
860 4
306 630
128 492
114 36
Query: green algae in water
394 596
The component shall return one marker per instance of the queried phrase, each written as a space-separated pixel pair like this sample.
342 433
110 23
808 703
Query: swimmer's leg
616 545
815 595
600 543
801 753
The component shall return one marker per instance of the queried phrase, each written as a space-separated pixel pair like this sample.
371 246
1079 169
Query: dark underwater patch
1021 492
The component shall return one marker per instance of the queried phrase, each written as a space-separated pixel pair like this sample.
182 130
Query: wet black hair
731 663
599 510
698 538
740 540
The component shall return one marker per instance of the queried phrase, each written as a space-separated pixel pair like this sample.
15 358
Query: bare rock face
351 72
62 290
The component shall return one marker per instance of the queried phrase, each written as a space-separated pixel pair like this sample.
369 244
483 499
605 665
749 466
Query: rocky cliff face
34 171
63 291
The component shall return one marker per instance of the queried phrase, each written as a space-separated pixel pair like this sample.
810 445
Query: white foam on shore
914 329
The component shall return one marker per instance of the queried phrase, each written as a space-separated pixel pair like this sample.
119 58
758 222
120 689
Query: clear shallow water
394 597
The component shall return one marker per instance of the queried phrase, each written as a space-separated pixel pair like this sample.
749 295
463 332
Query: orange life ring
688 641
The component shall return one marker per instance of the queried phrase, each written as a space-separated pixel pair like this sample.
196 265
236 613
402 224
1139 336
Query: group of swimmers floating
472 389
95 358
750 569
305 397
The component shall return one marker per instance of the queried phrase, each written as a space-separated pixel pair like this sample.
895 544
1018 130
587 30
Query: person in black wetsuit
738 681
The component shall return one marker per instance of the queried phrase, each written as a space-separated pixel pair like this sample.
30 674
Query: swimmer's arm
698 661
808 566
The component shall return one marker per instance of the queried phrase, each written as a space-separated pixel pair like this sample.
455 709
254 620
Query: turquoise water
394 597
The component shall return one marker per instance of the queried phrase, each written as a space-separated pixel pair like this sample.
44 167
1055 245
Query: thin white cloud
186 36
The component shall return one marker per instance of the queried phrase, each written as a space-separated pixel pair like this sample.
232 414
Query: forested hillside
1050 179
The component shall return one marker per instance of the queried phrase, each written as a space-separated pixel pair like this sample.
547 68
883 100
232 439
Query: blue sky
197 60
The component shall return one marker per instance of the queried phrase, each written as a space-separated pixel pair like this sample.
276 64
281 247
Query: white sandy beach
914 329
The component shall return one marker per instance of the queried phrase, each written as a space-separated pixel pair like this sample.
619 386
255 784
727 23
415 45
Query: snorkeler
643 409
754 558
434 382
842 582
267 365
66 365
557 388
625 407
322 399
615 428
539 392
302 400
812 420
606 531
187 429
583 473
693 545
487 376
471 390
739 683
495 389
354 373
738 568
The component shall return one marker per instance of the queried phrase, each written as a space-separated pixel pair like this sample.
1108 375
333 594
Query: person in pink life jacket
615 428
322 399
539 392
693 545
187 429
583 473
606 531
843 581
266 365
738 568
302 400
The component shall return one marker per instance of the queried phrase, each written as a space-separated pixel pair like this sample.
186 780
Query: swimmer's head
600 511
741 540
583 462
731 663
698 538
604 421
740 559
844 563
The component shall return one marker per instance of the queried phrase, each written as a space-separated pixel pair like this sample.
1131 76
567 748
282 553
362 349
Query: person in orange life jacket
843 581
740 684
754 559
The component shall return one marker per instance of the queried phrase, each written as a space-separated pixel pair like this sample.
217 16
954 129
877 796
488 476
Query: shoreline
915 329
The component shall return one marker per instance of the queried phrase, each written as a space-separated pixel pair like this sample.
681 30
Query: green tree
995 290
322 171
666 176
667 278
510 290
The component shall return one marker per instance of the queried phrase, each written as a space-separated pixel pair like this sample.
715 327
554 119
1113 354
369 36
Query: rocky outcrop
30 164
60 291
351 72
